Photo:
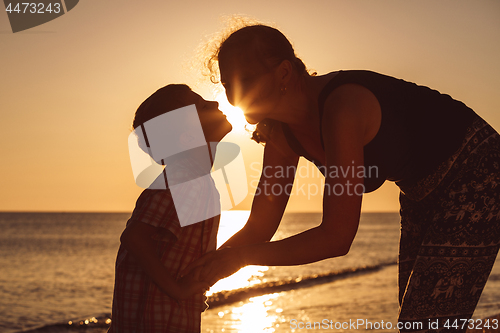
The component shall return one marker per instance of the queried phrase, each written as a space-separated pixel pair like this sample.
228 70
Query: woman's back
420 127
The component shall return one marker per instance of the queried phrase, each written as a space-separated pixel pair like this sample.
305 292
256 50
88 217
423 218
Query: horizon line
128 212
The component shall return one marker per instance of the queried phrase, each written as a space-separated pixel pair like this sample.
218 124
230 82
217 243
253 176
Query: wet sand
104 328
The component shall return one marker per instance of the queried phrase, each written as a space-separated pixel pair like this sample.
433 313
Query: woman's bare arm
267 209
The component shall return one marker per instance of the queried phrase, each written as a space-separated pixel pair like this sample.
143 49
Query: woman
444 158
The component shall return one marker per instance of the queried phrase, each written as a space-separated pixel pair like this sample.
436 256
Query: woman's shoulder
351 108
366 78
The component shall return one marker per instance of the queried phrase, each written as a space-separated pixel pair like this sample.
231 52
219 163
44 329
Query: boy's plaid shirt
138 304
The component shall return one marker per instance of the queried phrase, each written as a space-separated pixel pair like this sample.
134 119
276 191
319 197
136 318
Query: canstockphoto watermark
415 325
353 324
315 184
170 151
24 15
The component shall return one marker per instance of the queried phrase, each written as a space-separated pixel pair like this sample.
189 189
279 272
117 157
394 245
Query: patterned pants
450 235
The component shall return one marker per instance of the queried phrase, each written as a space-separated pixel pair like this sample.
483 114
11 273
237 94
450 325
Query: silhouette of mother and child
442 155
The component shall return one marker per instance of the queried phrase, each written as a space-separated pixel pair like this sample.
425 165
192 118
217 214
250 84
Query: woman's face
250 86
213 122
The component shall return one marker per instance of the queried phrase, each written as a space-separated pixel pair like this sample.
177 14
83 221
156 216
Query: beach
63 273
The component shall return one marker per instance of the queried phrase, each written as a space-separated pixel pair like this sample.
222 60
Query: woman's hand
217 265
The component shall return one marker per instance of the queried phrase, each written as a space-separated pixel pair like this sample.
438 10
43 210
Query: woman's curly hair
267 44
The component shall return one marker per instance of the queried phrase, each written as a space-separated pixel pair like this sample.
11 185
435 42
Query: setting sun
234 114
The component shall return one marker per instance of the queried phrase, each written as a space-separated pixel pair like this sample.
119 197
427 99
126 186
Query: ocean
57 275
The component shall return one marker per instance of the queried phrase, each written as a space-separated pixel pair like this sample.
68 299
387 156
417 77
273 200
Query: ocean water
57 275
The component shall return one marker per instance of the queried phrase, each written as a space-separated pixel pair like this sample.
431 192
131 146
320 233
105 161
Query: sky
69 88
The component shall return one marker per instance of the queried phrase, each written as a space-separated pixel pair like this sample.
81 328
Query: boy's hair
168 98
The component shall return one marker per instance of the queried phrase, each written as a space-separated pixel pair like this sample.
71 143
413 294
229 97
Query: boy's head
174 96
165 99
173 127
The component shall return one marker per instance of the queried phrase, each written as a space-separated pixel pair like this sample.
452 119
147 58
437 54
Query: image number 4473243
26 15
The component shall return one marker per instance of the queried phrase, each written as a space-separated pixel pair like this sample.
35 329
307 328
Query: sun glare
234 114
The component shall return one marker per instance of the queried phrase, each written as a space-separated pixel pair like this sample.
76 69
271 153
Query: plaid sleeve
156 207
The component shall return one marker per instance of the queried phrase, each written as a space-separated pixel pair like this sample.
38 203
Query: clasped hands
212 267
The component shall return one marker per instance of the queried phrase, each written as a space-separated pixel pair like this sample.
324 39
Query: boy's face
213 122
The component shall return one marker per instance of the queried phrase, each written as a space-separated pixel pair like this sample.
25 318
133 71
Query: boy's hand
191 284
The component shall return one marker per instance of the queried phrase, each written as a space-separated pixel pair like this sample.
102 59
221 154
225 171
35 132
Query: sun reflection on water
257 314
245 277
231 222
254 316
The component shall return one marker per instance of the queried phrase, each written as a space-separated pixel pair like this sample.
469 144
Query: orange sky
69 88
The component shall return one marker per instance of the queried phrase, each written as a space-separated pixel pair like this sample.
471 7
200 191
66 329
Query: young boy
149 296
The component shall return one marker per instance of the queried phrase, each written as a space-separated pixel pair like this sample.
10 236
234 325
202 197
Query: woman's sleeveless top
420 128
